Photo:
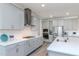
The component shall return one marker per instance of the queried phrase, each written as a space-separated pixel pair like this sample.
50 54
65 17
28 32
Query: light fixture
67 13
42 5
71 17
51 16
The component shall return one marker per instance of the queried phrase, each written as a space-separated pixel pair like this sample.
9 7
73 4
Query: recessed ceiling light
51 16
42 5
67 13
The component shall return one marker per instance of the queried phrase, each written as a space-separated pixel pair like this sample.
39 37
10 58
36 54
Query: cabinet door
11 50
11 17
39 41
36 42
27 47
16 49
45 24
32 43
20 48
34 20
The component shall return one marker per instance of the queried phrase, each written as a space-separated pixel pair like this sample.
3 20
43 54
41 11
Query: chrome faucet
66 38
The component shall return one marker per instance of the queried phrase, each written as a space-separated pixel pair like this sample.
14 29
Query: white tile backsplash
19 34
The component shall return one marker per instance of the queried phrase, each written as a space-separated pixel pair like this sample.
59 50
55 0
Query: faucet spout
66 38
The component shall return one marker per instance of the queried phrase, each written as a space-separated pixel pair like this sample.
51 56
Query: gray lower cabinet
21 48
34 44
16 49
27 47
11 50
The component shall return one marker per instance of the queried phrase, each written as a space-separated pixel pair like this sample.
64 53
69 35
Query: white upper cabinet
35 21
45 24
11 17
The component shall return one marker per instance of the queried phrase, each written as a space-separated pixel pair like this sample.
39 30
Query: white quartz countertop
71 47
15 41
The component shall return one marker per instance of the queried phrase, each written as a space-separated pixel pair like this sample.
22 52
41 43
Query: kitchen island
62 48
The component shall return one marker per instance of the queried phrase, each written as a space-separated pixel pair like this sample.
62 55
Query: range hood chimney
27 16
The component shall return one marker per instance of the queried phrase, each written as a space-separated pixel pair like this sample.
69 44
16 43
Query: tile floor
42 51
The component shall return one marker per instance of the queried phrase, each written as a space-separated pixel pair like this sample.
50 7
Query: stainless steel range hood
27 16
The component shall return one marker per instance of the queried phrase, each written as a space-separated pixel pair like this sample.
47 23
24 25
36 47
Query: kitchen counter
71 47
9 42
20 47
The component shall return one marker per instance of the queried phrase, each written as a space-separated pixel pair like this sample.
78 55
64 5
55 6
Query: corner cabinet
11 17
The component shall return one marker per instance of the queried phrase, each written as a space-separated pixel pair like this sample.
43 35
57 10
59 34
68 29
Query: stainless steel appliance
58 30
45 34
27 15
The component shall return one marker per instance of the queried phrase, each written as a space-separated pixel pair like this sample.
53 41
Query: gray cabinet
16 49
11 50
21 48
27 47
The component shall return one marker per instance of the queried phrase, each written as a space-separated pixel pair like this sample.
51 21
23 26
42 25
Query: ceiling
54 9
